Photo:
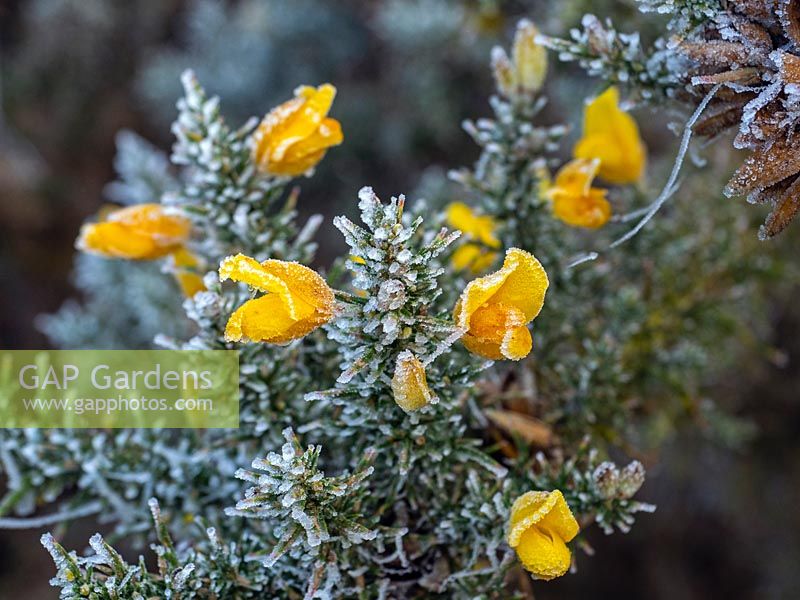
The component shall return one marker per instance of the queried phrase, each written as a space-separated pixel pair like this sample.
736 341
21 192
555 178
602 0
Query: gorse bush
436 411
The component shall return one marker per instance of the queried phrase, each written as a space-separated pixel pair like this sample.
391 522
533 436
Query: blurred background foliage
75 72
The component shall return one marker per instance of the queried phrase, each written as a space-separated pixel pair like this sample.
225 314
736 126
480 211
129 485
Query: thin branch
51 519
670 187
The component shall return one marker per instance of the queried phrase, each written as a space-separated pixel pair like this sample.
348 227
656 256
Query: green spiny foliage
422 502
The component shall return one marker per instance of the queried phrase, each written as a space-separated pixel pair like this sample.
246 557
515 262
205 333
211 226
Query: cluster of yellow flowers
493 311
290 140
609 148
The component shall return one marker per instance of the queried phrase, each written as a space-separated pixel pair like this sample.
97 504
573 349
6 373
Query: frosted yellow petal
297 301
460 216
140 232
317 104
114 240
612 135
486 348
495 309
168 229
293 137
304 120
305 153
272 129
591 210
184 265
540 524
409 384
310 293
544 555
549 509
525 285
480 227
517 343
190 283
498 331
472 257
477 293
575 178
248 270
530 58
264 319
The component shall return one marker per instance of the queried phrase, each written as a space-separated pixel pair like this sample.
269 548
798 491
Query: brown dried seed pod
723 95
718 118
769 164
762 11
786 208
716 53
789 17
746 76
754 33
772 194
763 127
789 65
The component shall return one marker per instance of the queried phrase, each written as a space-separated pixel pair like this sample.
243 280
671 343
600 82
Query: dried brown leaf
786 208
533 431
768 165
789 17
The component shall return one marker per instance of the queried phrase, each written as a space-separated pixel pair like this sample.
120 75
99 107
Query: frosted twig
670 188
635 214
589 256
36 522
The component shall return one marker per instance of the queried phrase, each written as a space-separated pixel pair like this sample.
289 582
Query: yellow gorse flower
139 232
540 526
477 254
612 136
184 268
530 58
524 73
297 300
495 310
409 384
574 200
294 136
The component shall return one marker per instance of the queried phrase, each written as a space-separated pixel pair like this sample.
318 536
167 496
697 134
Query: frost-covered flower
540 526
573 198
523 74
296 302
409 385
184 267
478 253
139 232
611 135
294 136
495 310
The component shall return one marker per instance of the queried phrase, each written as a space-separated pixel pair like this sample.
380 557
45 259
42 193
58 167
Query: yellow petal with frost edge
139 232
409 384
574 200
293 137
612 136
540 525
494 310
297 300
